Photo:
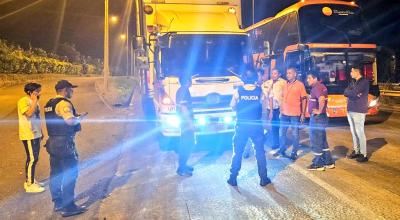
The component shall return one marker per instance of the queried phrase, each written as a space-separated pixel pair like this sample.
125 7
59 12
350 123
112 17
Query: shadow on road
103 188
339 152
375 144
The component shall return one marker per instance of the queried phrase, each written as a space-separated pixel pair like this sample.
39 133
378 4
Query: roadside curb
100 93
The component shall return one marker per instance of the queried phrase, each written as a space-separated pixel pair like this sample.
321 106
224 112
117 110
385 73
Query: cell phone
84 114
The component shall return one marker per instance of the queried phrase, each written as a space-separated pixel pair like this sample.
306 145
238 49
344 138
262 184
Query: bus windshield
334 68
204 55
332 24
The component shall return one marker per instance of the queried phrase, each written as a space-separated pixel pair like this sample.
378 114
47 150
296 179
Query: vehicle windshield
332 24
204 55
334 68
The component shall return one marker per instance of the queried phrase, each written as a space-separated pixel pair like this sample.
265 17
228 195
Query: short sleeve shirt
29 127
293 93
317 91
274 90
64 109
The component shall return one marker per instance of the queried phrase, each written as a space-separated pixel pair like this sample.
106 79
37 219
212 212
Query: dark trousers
63 170
242 134
32 149
285 123
275 125
186 144
318 141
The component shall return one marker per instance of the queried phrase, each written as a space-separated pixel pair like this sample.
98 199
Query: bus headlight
173 121
373 103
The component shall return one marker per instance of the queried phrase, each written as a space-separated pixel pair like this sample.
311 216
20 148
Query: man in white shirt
30 133
273 89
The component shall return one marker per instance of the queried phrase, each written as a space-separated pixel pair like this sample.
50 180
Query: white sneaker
33 188
40 183
330 166
273 151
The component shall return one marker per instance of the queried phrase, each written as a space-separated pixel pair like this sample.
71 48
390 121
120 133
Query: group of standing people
62 122
285 104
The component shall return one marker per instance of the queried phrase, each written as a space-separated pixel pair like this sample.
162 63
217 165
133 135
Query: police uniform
248 104
63 154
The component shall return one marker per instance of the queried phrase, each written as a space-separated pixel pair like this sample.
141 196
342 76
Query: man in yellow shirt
30 133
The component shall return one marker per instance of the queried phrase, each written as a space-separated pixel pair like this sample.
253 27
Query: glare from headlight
201 121
173 121
228 119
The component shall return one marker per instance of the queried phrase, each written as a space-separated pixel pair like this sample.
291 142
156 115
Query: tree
69 50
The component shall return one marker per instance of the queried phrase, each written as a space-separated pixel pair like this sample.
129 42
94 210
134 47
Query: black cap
64 84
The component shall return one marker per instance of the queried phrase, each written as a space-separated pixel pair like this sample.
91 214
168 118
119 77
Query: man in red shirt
293 108
317 104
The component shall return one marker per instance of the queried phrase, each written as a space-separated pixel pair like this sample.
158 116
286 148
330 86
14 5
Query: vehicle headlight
201 121
228 119
173 121
373 102
166 100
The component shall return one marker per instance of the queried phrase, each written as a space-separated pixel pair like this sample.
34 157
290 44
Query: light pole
106 68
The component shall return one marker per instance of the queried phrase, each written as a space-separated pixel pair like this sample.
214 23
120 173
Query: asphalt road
124 175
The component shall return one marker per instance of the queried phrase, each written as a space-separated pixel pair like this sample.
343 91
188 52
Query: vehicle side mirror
142 62
267 48
165 41
139 42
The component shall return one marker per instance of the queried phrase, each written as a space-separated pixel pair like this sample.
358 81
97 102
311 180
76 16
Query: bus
327 37
200 40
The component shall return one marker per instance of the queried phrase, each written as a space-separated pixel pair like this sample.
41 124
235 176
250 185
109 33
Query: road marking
335 192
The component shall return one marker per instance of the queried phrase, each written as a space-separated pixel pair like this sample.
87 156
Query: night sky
83 24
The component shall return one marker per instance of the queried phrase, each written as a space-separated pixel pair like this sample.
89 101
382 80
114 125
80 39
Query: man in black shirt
247 102
357 108
187 139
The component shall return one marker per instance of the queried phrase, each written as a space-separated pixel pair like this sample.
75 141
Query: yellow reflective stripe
32 159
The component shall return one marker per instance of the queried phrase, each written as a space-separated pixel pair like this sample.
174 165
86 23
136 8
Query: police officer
63 123
187 139
247 102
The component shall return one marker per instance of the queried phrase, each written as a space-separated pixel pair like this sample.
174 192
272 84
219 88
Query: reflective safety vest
56 125
249 107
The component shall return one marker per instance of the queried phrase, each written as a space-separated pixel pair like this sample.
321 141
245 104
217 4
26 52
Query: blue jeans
242 134
319 143
286 122
275 124
186 144
356 122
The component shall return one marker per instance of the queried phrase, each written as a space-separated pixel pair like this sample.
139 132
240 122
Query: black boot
72 209
232 181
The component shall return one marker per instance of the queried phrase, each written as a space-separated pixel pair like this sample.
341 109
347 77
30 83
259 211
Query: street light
114 19
106 69
122 37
